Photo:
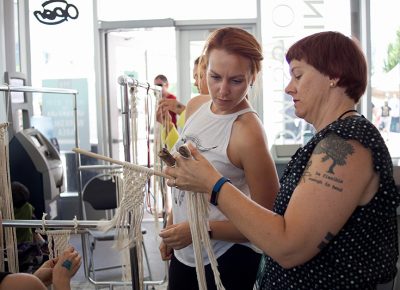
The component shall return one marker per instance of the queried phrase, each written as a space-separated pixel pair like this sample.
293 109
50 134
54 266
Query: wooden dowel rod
105 158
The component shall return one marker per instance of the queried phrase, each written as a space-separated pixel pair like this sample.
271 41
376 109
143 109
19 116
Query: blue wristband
217 188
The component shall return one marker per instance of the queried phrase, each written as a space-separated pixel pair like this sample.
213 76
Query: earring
332 84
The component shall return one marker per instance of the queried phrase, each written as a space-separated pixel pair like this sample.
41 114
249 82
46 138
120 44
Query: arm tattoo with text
336 150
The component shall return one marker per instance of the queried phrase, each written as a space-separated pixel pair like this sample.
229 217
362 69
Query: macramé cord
6 206
197 210
58 240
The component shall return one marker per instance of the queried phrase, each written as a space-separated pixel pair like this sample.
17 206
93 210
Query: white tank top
211 134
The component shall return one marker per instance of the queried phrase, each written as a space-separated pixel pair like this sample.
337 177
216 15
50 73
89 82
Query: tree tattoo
334 148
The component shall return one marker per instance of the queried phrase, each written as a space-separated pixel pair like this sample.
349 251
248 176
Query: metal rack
127 83
80 225
29 89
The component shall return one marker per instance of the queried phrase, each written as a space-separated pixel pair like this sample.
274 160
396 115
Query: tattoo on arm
335 148
329 237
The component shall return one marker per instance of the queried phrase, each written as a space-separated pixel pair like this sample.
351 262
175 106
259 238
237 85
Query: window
385 76
283 23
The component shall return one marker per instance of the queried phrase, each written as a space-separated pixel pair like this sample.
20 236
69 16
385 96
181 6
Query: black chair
101 193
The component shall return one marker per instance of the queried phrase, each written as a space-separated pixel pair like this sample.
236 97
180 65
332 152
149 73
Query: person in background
384 125
333 225
227 130
31 245
162 81
57 272
172 105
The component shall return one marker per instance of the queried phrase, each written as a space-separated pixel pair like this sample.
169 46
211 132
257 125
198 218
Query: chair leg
91 264
147 261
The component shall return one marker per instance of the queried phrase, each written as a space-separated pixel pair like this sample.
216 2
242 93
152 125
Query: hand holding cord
194 174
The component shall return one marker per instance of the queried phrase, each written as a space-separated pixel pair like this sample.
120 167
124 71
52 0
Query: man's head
162 81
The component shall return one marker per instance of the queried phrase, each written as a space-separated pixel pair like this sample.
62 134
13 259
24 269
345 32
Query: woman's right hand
162 115
66 267
171 105
195 174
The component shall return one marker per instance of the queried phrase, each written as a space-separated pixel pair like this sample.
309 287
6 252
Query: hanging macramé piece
134 123
125 252
129 214
6 206
58 240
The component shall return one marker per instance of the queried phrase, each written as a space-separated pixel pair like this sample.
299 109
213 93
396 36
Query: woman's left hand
45 272
177 236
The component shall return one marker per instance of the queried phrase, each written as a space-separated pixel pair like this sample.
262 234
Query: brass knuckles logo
56 12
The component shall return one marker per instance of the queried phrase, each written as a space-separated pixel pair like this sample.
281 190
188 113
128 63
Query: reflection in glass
385 76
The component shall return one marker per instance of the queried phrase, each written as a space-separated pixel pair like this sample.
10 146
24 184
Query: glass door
191 39
140 53
143 53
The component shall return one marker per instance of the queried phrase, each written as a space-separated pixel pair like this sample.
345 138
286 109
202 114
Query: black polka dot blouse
365 251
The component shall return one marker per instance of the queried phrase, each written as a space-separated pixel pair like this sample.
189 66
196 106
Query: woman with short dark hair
333 225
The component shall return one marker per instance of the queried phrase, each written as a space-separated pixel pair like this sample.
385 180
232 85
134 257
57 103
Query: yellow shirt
172 136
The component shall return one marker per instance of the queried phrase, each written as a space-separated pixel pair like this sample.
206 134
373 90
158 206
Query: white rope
6 205
125 252
198 212
134 123
58 240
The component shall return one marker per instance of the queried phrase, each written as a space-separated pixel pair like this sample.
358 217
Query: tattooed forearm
329 237
335 149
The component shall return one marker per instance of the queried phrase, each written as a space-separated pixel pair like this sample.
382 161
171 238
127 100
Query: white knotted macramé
129 214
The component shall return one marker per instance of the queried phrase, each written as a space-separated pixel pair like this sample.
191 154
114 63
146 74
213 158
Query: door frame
186 31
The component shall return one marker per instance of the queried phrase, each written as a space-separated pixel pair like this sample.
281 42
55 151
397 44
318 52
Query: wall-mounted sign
56 12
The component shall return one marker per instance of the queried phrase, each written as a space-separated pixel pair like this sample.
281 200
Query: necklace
348 111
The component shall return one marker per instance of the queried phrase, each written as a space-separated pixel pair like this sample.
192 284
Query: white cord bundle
198 214
134 123
6 205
